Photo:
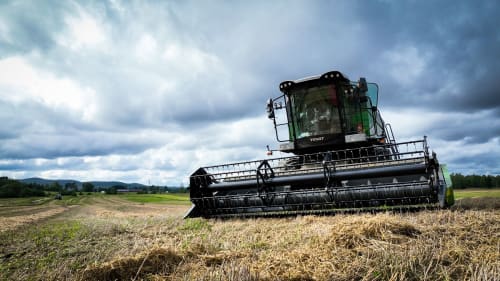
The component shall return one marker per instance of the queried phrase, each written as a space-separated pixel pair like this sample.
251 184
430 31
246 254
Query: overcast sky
148 91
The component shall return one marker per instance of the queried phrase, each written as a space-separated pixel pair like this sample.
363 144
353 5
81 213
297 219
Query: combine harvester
345 158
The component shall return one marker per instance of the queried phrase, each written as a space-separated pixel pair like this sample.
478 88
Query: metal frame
266 186
341 159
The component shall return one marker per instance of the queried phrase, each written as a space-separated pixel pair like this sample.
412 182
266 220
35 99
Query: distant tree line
115 189
482 181
161 189
13 188
10 188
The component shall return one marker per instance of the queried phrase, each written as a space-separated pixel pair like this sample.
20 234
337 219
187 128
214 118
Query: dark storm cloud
27 115
439 57
291 40
461 40
30 25
457 43
83 144
471 130
199 71
480 163
34 165
38 131
73 163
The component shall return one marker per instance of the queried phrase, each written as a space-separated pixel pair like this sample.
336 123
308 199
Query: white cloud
410 123
83 31
460 139
20 81
189 59
406 64
146 48
464 157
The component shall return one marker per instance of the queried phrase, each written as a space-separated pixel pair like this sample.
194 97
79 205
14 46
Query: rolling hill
102 184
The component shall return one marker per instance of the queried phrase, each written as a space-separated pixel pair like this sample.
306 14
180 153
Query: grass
170 198
53 251
24 201
111 237
437 245
67 200
473 192
34 201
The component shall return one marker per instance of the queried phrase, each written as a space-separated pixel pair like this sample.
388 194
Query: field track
101 237
99 206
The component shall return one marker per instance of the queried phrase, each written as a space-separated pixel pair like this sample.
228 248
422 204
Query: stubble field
133 237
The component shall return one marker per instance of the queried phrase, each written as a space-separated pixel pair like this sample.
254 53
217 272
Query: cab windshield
315 111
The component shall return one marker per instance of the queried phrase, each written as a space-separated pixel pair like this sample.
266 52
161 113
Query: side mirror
270 109
363 87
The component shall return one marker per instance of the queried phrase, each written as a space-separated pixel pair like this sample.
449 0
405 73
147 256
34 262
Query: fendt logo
316 139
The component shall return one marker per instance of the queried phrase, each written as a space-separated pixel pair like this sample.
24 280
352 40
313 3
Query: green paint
450 197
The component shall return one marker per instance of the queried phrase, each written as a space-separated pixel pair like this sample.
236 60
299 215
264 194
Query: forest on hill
476 181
